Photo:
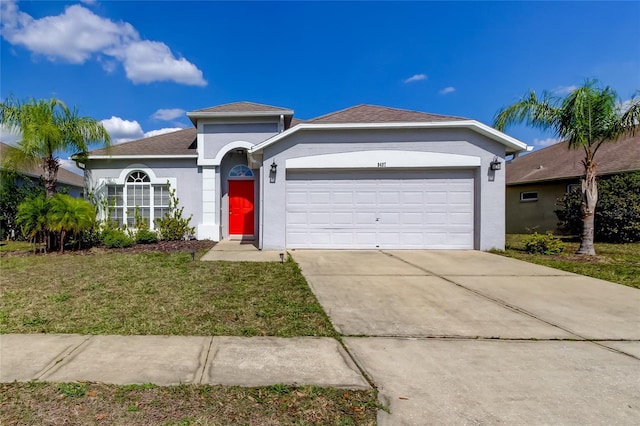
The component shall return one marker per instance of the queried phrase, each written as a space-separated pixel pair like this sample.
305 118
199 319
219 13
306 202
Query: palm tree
68 215
32 218
48 128
587 117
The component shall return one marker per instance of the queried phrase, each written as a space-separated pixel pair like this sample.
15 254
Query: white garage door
390 210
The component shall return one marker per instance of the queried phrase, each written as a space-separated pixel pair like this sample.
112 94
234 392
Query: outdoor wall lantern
272 172
495 164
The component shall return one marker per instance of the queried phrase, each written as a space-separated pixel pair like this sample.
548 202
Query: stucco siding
490 195
216 136
185 172
523 217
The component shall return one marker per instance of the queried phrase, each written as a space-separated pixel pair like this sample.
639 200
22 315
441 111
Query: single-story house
536 180
68 181
365 177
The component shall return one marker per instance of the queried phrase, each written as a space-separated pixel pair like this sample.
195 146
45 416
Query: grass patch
618 263
93 403
156 293
11 246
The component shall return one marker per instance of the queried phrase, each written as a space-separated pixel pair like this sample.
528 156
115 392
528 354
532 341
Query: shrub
145 236
543 244
617 213
116 238
173 226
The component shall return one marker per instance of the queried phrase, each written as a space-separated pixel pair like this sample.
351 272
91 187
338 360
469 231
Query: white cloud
541 143
564 90
122 130
9 136
447 90
415 77
168 114
78 35
70 165
161 131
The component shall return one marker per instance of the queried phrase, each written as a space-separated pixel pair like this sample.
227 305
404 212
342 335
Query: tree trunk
588 209
62 235
50 167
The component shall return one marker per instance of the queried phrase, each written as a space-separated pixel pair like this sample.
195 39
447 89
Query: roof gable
179 143
242 107
378 114
559 162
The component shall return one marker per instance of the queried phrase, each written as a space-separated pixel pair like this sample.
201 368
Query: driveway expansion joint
497 301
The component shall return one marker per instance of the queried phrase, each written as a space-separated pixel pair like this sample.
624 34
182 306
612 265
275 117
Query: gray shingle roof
379 114
559 162
242 107
181 142
64 176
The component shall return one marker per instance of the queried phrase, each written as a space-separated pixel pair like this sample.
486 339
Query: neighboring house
364 177
68 181
536 180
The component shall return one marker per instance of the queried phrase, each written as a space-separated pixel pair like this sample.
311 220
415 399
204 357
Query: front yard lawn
619 263
105 292
93 403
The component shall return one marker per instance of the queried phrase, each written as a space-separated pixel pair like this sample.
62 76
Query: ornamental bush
617 212
173 226
543 244
116 238
146 236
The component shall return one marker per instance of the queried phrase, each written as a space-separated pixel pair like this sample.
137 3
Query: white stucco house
366 177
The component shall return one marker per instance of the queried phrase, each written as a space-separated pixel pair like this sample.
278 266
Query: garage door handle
377 219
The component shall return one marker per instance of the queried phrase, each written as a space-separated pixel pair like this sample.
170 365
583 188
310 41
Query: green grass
8 246
618 263
155 293
94 403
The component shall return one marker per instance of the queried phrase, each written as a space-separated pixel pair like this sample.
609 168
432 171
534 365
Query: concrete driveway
466 337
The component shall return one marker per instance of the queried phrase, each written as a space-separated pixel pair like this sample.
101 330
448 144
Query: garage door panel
336 212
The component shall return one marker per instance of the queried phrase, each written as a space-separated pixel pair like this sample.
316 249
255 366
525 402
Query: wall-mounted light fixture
272 172
495 164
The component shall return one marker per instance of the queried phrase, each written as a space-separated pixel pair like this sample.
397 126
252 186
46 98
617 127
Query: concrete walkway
242 251
172 360
466 337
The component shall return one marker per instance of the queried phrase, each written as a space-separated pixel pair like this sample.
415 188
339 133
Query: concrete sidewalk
242 251
172 360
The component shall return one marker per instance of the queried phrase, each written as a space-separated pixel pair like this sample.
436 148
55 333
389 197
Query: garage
380 210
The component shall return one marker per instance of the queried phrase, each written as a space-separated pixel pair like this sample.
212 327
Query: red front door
241 207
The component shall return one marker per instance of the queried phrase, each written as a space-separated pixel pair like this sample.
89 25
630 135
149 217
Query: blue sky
140 65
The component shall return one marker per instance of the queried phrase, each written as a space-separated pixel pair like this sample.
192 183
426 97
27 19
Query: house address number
383 164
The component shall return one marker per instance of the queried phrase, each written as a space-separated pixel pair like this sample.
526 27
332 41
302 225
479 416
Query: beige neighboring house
536 180
72 182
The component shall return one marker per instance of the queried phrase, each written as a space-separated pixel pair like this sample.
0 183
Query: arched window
136 194
240 172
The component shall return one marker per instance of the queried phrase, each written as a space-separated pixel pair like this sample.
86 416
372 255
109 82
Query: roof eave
195 115
139 156
513 145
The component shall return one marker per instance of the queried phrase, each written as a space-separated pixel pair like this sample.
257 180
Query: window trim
528 200
121 180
